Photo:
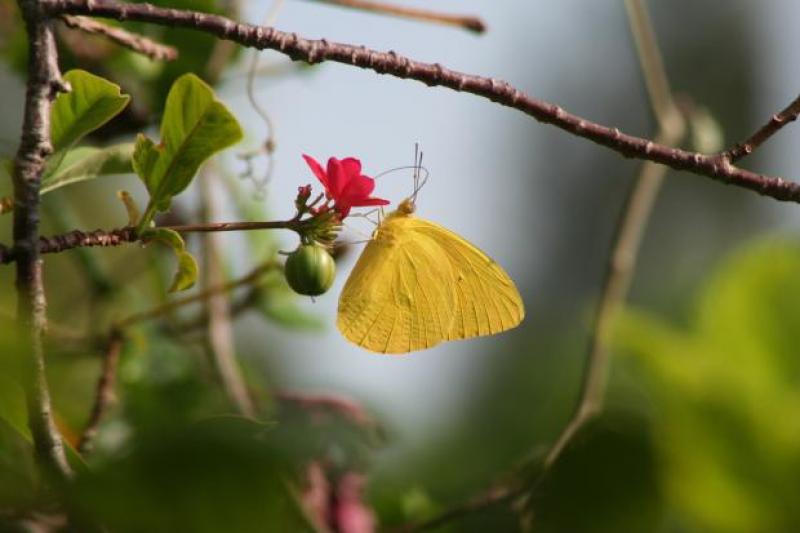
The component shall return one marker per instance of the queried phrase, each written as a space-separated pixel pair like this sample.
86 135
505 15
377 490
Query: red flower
344 184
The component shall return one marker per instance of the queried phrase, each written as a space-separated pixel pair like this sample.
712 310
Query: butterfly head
407 206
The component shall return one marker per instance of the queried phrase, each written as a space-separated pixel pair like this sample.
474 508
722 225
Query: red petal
352 167
358 187
370 201
316 168
337 179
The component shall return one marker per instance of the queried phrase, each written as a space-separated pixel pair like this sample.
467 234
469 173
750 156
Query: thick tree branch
317 51
43 84
133 41
773 126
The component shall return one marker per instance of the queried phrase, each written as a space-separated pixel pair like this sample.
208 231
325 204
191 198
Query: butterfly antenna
395 169
418 168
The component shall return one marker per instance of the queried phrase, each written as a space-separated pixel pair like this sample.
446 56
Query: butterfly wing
487 301
400 295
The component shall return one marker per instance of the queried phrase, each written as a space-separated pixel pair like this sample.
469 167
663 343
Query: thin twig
220 331
630 229
501 92
652 65
252 277
43 84
773 126
497 495
138 43
104 394
120 236
467 22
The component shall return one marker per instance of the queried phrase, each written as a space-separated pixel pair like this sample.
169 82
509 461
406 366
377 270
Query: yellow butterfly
418 284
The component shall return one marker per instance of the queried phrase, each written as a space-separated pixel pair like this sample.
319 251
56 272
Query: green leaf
92 102
186 275
14 412
86 163
13 409
217 475
130 207
195 126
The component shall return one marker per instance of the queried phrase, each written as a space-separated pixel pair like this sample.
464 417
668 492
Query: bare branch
501 92
466 22
137 43
43 84
117 237
104 394
773 126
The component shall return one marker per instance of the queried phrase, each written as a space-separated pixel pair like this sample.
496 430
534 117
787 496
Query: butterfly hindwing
487 301
399 297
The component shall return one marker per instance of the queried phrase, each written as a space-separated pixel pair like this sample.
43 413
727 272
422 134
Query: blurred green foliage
723 395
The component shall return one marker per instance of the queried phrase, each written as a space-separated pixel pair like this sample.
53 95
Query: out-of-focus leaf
186 275
726 394
18 472
224 474
87 163
13 409
14 40
605 481
92 102
13 404
194 127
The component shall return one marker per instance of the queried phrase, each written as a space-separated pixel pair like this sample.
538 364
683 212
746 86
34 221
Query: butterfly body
418 284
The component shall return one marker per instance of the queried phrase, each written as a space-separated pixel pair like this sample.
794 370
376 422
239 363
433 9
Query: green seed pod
310 270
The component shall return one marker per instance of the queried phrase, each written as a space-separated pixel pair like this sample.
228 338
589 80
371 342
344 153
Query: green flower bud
310 270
